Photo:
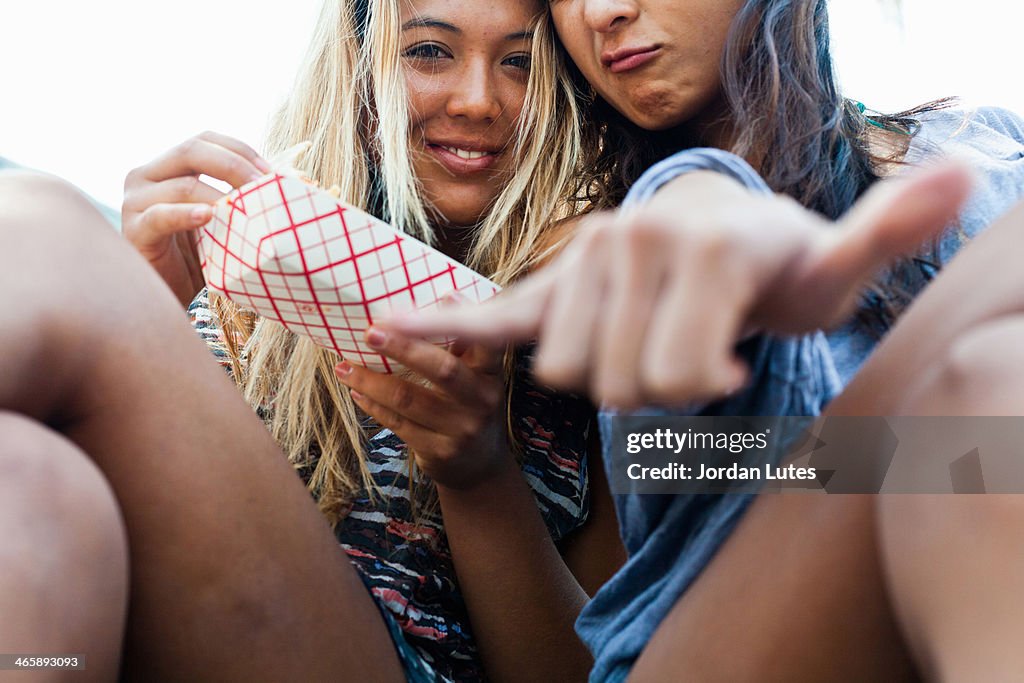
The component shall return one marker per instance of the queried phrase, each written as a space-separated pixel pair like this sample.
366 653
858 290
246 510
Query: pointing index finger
514 315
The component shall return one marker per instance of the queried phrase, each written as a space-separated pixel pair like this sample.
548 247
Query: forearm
949 307
522 598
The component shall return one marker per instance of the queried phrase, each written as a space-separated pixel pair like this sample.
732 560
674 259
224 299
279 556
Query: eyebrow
427 22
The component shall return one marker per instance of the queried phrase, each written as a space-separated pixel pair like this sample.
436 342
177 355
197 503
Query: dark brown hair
786 117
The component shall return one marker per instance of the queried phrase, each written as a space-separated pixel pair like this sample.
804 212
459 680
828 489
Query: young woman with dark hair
703 111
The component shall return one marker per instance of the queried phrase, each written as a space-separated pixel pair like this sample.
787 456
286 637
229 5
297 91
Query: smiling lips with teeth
465 154
463 161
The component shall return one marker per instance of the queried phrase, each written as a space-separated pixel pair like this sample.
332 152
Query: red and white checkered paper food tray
296 254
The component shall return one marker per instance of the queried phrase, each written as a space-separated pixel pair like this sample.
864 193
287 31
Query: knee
986 352
37 201
29 186
60 262
60 519
981 373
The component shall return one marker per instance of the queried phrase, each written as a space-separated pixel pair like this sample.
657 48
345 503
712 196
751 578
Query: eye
426 51
519 61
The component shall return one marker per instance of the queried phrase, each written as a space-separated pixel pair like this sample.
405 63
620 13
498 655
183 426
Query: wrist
501 474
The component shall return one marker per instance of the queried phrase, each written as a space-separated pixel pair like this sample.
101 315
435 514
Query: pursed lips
629 58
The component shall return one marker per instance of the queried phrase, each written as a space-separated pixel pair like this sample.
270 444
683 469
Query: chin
458 216
658 120
657 124
660 108
463 211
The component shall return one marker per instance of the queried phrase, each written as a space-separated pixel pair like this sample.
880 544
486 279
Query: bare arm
595 552
523 600
515 582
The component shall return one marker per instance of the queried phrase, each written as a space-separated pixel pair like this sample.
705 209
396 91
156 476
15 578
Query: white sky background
90 90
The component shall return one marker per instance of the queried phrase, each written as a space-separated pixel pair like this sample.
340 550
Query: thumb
893 219
897 216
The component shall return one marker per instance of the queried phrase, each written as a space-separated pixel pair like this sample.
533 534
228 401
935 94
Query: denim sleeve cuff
687 161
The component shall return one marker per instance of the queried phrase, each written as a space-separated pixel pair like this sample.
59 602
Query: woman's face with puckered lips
658 62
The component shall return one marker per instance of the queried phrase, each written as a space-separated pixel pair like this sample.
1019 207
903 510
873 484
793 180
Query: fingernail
201 214
254 177
343 369
263 165
376 338
356 396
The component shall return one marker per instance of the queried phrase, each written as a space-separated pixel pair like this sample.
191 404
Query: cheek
513 99
424 94
575 38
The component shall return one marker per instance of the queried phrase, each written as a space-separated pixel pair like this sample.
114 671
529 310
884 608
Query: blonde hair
347 68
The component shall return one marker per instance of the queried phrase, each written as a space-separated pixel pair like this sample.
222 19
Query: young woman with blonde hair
456 123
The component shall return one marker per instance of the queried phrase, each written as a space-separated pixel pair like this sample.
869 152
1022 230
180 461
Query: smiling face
656 61
466 65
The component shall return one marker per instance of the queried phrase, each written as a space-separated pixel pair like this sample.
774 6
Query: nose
475 95
605 16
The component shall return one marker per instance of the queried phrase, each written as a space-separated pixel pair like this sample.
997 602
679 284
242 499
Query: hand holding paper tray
297 255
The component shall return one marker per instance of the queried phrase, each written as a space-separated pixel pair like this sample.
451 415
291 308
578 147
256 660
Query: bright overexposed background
89 90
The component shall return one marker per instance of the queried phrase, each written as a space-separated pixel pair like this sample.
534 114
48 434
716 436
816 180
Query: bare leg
63 554
954 563
795 594
234 573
